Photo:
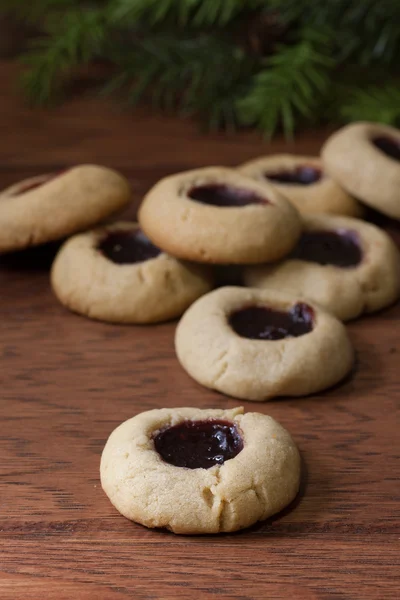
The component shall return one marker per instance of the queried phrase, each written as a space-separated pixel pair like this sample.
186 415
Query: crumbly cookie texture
192 230
258 482
64 204
259 369
154 290
345 292
351 157
324 195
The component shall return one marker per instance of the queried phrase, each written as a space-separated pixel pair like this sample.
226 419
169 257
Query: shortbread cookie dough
49 207
348 266
200 471
259 344
216 215
365 159
303 181
116 274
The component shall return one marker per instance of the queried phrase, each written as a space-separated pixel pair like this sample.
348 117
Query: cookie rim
135 438
233 364
324 195
379 255
139 283
350 157
68 202
191 230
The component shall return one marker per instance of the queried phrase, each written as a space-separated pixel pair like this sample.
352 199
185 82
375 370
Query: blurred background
270 65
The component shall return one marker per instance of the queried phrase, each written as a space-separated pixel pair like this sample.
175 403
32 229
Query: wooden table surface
66 382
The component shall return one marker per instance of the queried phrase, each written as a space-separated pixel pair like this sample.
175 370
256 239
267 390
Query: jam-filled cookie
365 159
116 274
303 181
217 215
198 471
50 207
259 344
348 266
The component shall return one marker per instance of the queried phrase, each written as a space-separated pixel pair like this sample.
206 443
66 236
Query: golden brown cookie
116 274
216 215
365 159
303 181
200 471
348 266
259 344
50 207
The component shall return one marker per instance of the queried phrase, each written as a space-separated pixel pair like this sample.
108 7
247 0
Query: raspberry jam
302 175
338 248
264 323
28 187
224 195
199 444
127 247
388 145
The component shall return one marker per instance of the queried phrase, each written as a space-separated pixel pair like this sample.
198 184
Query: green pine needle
193 13
219 59
375 104
71 41
192 75
289 86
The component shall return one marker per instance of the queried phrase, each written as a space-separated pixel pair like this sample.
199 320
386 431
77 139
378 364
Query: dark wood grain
66 382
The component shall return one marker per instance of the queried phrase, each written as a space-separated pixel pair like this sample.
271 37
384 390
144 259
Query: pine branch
35 10
200 75
192 13
71 41
290 85
377 104
365 31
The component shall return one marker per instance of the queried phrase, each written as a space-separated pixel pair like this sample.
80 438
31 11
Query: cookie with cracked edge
197 471
116 274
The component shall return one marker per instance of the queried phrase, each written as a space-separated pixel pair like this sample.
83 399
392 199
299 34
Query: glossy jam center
340 249
28 187
302 175
389 146
199 444
224 195
127 247
263 323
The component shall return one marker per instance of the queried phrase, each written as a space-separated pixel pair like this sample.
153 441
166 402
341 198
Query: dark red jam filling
28 187
199 444
388 145
224 195
127 247
340 249
302 175
263 323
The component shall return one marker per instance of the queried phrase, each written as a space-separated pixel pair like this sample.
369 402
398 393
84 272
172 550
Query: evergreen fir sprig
271 64
373 104
188 13
71 40
195 76
290 85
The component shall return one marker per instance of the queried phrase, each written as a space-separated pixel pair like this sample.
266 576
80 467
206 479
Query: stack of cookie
292 224
196 471
289 222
